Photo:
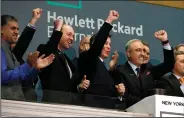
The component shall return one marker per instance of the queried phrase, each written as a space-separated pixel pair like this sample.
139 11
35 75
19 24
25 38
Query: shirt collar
101 59
178 77
133 67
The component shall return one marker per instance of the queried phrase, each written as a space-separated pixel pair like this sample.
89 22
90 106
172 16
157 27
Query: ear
1 29
128 53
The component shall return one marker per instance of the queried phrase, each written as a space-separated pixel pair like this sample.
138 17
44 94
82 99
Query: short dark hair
6 18
92 39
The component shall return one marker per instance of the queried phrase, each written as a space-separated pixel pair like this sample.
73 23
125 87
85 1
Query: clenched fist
58 23
113 15
120 88
161 35
37 13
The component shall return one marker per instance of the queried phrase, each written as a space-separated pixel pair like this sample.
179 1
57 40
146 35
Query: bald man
58 77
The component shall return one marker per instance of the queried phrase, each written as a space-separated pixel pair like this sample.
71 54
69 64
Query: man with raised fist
102 91
137 76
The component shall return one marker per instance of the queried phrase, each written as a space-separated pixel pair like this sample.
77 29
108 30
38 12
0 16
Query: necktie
181 80
67 65
138 71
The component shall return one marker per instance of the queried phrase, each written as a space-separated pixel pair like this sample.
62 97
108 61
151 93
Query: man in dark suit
58 77
101 91
138 77
174 82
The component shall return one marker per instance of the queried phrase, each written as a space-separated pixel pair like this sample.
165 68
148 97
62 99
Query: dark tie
138 71
61 54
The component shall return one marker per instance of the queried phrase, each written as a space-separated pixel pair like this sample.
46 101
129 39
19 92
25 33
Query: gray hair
127 46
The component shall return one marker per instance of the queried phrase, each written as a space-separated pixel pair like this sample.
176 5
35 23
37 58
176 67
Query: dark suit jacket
137 89
55 77
171 84
23 42
101 83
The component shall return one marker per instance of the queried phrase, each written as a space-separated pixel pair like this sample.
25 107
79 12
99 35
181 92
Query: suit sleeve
118 78
164 84
96 48
23 71
165 67
52 44
23 42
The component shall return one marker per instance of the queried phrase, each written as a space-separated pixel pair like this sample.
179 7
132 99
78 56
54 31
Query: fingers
120 88
42 56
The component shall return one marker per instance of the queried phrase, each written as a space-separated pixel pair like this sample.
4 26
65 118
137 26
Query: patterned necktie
181 80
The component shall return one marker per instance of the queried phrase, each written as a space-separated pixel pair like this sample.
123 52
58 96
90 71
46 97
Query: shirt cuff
31 26
79 89
167 46
120 98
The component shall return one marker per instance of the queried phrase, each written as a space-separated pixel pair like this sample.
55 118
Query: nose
16 31
108 47
142 53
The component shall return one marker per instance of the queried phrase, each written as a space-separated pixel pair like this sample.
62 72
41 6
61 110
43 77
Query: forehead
136 45
146 48
12 24
180 57
181 48
86 39
108 40
68 29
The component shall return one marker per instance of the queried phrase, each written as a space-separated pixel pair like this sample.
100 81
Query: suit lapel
133 76
63 60
175 81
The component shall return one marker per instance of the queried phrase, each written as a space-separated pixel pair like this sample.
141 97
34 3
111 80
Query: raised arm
52 44
27 35
168 63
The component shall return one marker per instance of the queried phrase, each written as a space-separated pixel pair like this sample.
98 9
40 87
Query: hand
161 35
58 23
32 58
113 15
36 15
44 62
120 88
114 60
85 83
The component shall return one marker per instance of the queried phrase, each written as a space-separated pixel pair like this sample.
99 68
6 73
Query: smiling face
67 38
106 49
146 52
135 53
179 65
10 31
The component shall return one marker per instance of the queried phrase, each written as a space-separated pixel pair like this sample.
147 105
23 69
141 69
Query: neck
60 48
137 65
177 73
102 57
